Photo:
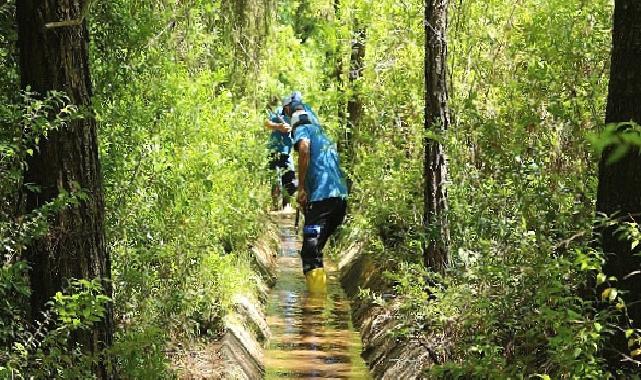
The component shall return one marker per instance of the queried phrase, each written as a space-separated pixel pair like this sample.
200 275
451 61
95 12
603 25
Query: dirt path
312 337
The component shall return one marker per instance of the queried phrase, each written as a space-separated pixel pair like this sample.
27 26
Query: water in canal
312 336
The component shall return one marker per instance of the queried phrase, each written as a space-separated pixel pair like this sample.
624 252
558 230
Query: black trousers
321 220
288 177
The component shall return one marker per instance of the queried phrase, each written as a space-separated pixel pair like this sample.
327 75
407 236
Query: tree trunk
354 103
66 161
437 120
337 75
619 189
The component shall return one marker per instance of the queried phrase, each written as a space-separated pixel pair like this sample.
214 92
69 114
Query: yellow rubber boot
316 280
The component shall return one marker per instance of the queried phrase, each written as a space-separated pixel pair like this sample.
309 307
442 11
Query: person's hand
302 198
285 127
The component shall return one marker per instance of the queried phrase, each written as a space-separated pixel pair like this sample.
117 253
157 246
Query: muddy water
312 336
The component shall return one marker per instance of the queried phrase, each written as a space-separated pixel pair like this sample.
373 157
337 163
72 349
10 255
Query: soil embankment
388 357
239 353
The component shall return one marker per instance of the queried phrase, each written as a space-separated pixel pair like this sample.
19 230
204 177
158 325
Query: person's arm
303 164
278 126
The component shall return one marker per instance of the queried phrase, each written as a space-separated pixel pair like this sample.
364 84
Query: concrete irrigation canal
312 335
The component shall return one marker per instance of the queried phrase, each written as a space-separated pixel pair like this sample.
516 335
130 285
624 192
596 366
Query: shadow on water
312 336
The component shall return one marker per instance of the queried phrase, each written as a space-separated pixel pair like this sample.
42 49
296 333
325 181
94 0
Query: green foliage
180 89
183 156
24 123
83 307
528 82
14 293
525 317
620 137
48 349
9 79
27 349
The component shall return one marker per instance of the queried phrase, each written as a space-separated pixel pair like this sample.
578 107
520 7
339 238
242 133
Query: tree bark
354 103
65 161
619 189
437 120
337 75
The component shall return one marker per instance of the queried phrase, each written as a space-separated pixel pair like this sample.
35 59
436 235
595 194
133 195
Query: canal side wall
246 330
387 357
239 353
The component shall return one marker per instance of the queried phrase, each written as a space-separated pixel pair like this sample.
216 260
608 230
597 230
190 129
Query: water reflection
312 336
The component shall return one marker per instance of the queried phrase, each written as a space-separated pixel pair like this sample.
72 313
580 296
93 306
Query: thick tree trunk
437 120
67 160
619 190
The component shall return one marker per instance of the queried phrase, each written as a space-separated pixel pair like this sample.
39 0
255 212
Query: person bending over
322 194
280 146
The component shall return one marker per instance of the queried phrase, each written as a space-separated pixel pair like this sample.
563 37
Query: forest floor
312 336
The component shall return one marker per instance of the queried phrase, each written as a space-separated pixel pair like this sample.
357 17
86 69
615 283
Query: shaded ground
202 361
313 337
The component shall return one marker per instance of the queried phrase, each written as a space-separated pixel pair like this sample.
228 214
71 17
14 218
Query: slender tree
355 101
56 58
337 75
619 190
437 120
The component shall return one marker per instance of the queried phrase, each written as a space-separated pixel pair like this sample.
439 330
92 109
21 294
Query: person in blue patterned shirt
280 146
322 192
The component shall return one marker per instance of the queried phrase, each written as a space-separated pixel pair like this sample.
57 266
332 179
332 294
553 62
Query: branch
636 272
77 22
